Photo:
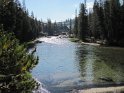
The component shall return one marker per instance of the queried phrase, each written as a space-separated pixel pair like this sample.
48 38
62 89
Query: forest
16 28
105 22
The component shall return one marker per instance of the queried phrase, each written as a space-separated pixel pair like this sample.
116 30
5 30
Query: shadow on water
101 65
64 65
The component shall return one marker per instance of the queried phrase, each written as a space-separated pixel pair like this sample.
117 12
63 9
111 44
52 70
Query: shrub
15 65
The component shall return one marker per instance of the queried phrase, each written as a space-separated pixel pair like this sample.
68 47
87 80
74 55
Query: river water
64 65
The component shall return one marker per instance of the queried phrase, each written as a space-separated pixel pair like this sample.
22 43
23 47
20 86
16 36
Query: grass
74 40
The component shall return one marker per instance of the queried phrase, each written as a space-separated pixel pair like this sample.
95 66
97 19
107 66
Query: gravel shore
104 90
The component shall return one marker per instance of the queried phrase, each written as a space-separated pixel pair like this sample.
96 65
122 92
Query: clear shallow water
64 65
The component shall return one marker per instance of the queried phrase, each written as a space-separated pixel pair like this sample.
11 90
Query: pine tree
15 66
82 23
75 25
49 25
90 23
19 22
114 16
8 12
70 26
15 18
107 20
96 22
101 19
26 27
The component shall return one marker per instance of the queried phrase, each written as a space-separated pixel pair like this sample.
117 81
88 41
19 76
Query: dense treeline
16 27
105 22
55 28
15 18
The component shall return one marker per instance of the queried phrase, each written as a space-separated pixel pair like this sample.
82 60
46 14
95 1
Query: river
64 65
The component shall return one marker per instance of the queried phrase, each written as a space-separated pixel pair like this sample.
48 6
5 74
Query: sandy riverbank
93 44
104 90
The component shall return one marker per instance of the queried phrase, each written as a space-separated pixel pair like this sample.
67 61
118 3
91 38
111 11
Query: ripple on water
64 65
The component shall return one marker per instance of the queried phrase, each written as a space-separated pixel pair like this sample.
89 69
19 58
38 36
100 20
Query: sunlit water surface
64 65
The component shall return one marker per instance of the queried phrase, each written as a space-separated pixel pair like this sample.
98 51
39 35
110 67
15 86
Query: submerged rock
106 79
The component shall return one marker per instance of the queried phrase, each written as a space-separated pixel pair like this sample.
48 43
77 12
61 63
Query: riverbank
119 89
85 43
94 44
84 65
31 44
74 39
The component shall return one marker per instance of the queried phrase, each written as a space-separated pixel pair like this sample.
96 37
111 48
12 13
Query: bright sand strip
93 44
104 90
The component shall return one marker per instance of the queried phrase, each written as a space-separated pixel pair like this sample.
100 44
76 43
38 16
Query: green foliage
49 27
82 22
76 26
70 26
74 40
16 19
15 65
104 22
97 27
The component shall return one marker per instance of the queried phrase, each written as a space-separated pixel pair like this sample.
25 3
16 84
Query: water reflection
57 64
110 63
101 65
86 61
64 65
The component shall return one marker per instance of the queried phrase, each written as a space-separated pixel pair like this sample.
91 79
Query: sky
56 10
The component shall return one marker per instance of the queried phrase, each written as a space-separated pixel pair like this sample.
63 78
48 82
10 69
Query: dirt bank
104 90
